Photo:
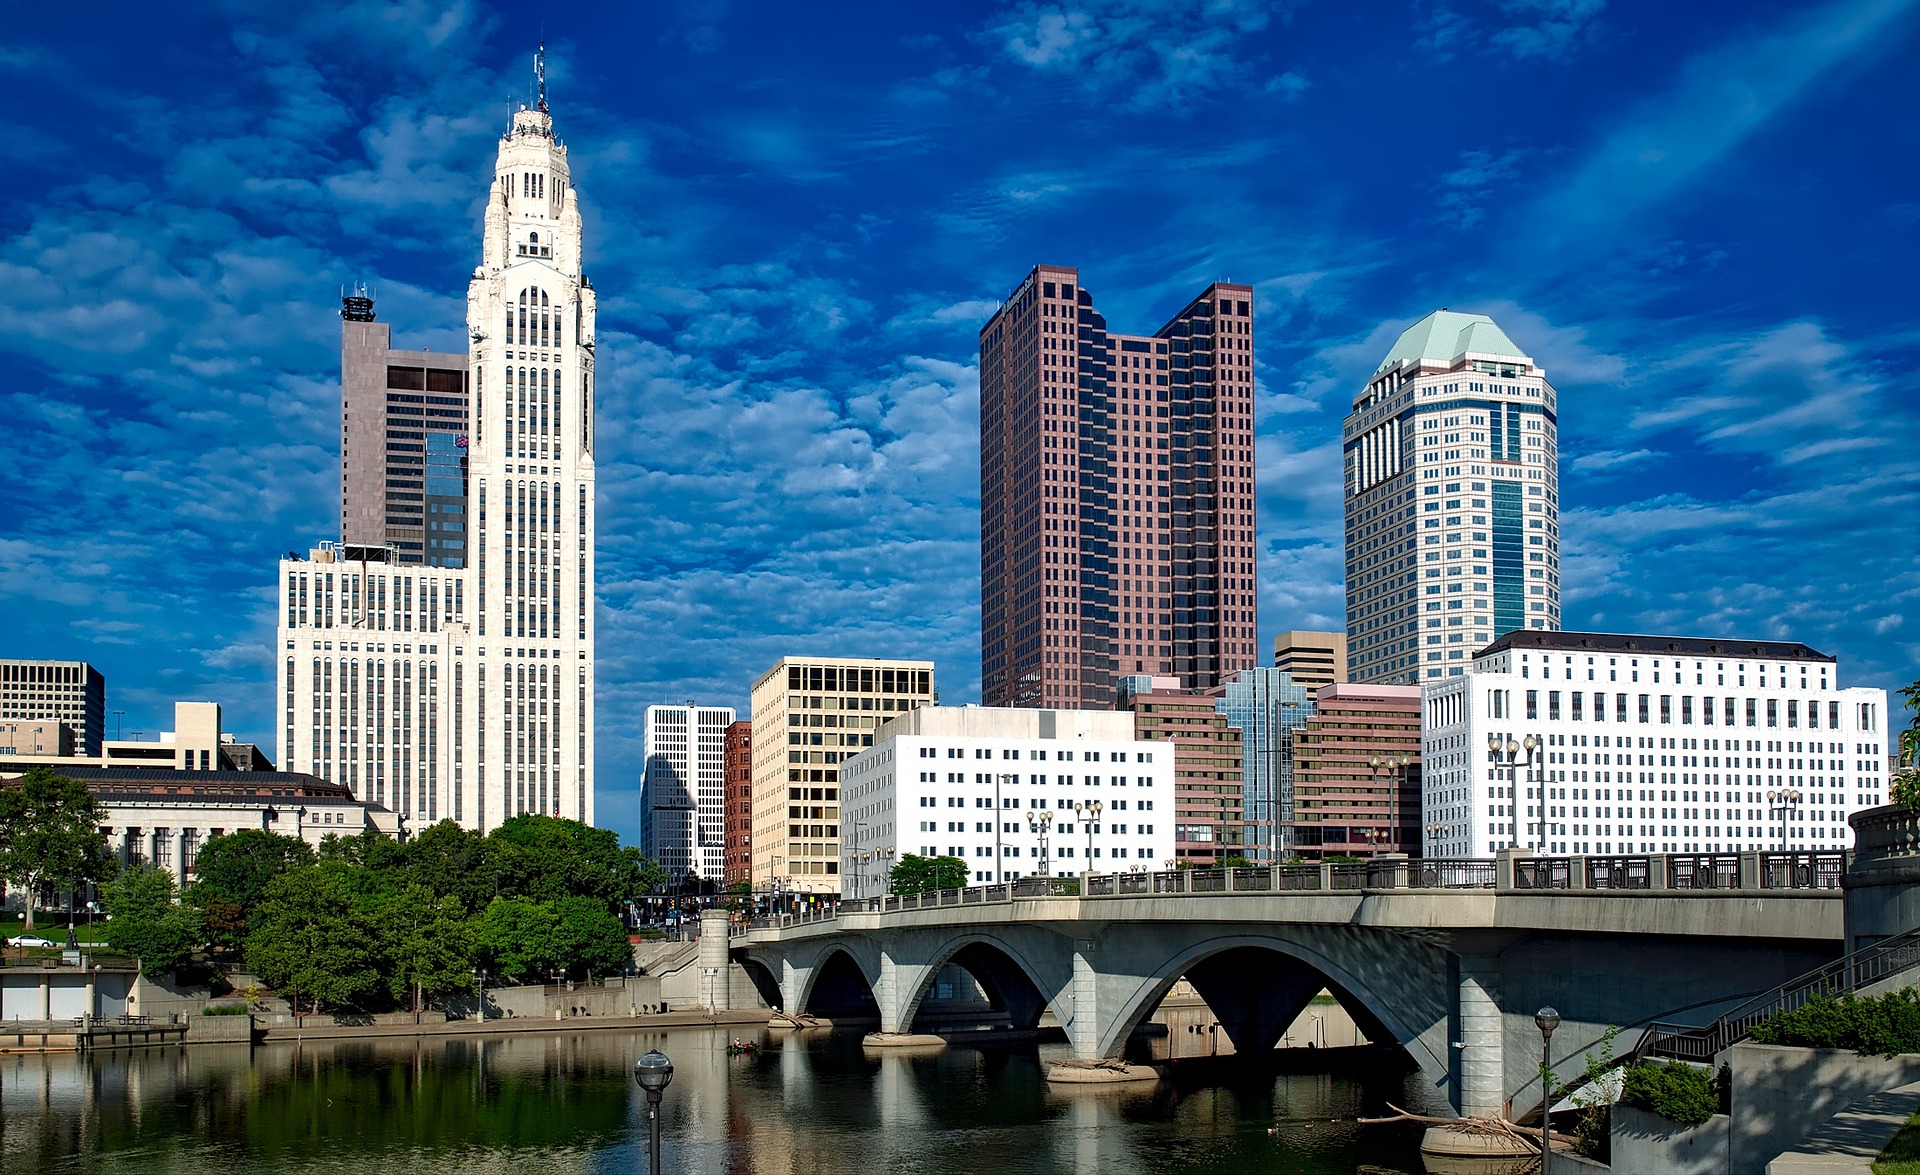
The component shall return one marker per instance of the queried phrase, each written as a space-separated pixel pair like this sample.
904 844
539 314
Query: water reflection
805 1103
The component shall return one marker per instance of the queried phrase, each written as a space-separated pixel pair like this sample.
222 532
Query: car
33 940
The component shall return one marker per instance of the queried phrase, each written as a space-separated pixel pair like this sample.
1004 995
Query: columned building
1116 495
1452 501
466 693
1648 744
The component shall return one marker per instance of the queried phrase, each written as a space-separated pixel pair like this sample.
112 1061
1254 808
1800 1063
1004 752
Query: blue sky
1701 219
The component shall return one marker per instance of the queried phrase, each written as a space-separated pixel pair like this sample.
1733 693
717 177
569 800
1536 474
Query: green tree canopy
517 938
233 871
148 922
452 861
50 834
546 858
312 938
917 874
589 939
426 941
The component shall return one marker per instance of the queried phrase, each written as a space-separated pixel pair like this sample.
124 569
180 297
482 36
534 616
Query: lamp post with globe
653 1072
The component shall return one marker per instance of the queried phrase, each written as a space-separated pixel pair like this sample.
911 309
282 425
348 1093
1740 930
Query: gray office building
72 692
403 444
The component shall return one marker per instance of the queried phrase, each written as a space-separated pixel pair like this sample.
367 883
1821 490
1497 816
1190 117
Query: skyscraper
1453 501
682 791
1116 495
403 443
467 692
1266 705
810 714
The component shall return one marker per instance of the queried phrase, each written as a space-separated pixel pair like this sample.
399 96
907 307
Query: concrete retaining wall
219 1029
1781 1095
1647 1144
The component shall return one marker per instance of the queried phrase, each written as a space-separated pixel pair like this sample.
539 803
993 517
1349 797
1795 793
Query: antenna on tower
540 74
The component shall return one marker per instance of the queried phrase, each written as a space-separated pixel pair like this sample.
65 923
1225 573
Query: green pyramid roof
1445 334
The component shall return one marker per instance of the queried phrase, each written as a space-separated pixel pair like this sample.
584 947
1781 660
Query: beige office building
1313 658
810 714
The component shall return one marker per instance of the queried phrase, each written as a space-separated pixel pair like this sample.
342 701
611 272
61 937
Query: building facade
1356 774
1648 744
810 714
1266 706
467 693
1116 495
737 831
987 784
196 743
1210 797
1313 658
683 789
403 444
72 692
1452 501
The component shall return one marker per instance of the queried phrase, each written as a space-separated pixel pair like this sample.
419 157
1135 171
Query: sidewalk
687 1018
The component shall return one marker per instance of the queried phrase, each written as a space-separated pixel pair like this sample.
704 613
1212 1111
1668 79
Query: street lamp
1783 802
653 1072
1039 824
1506 753
1394 766
480 982
1089 815
999 872
1547 1020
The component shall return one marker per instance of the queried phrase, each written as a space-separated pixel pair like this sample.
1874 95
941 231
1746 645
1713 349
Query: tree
1905 789
546 859
451 860
517 938
149 922
233 872
312 939
50 833
1236 861
588 938
427 942
917 874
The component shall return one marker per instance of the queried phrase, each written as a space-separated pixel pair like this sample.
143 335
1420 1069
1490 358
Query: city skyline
787 410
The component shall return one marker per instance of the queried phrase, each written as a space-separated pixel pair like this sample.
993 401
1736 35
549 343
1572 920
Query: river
807 1104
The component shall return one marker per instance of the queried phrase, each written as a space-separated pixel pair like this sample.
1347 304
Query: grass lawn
52 926
1901 1156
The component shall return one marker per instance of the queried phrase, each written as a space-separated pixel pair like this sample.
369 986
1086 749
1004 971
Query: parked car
33 940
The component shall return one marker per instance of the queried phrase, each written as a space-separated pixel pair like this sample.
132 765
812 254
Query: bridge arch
1263 1002
836 984
1011 982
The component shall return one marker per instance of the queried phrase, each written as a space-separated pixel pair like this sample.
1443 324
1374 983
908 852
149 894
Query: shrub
1675 1090
1878 1026
225 1010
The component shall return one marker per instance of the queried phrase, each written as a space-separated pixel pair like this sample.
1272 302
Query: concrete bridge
1449 959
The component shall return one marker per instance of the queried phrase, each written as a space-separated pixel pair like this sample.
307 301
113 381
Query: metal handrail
1862 968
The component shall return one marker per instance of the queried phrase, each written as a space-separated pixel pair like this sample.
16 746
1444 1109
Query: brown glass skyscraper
1116 495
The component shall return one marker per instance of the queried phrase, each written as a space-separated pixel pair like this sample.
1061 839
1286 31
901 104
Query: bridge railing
1862 968
1646 872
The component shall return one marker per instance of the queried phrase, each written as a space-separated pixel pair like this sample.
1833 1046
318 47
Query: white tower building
683 789
1453 501
1648 745
467 693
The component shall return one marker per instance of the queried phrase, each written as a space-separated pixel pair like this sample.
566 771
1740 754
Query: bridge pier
1479 1033
894 1016
1083 1026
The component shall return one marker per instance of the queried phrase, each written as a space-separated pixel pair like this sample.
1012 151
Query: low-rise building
1648 744
1014 792
737 832
1356 774
1211 821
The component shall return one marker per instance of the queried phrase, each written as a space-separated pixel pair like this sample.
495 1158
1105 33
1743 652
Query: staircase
1849 973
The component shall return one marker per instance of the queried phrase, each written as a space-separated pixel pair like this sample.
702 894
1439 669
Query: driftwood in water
1473 1124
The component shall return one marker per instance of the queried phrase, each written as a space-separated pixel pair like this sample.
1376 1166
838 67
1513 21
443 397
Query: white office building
682 789
984 784
1452 501
1647 745
467 693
